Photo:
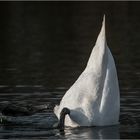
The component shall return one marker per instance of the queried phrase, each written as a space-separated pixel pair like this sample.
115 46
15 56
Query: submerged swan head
63 114
94 99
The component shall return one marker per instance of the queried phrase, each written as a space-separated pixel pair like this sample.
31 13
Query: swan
94 99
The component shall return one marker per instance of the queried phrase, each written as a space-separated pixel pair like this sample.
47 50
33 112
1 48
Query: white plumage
94 99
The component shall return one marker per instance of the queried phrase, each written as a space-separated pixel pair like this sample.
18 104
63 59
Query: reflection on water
110 132
44 48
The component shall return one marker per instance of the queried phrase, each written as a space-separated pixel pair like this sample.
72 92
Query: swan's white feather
94 98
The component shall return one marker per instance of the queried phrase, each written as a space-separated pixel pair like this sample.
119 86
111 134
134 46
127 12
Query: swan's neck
63 114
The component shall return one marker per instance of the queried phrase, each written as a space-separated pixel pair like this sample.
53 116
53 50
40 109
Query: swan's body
94 98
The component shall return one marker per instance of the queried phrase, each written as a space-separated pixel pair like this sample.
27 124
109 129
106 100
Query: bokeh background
48 43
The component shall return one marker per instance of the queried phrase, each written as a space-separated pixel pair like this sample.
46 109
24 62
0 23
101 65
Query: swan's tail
97 59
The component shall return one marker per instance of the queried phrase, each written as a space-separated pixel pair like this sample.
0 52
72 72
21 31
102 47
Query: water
44 48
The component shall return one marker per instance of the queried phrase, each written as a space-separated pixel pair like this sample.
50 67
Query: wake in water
20 113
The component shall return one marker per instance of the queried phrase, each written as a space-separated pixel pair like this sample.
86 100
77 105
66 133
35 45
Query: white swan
94 99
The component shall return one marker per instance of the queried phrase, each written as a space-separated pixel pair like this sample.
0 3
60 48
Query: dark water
44 46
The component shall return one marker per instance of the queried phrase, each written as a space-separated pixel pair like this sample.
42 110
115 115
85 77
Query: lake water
44 48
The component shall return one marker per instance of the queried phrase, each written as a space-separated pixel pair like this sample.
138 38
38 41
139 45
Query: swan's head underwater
65 111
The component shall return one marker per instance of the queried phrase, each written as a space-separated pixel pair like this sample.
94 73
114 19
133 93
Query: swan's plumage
94 98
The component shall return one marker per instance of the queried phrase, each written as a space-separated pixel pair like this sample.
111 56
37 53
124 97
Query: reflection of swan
94 99
110 132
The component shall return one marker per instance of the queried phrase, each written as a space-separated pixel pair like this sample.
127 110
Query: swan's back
94 98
